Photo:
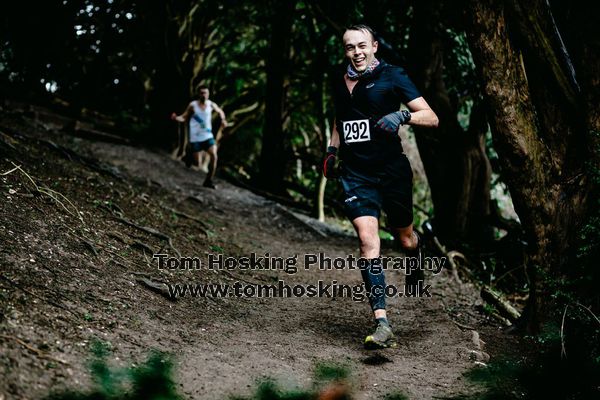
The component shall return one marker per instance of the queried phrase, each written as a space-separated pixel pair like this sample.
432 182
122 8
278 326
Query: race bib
356 131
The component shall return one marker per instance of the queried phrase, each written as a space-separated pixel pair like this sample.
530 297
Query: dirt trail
65 282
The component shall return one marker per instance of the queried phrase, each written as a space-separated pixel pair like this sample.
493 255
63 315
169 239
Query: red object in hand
173 116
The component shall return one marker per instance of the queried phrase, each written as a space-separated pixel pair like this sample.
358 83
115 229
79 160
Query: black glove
329 163
391 122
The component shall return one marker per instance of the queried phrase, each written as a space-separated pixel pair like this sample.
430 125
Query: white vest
201 122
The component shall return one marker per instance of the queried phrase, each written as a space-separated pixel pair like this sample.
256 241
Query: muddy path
76 266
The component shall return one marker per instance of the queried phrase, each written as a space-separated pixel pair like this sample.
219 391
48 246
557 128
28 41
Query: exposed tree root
11 282
204 227
462 326
150 231
157 287
53 194
502 305
37 352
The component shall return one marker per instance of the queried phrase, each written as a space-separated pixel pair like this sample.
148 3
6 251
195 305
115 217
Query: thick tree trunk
541 139
167 88
323 129
272 158
324 137
180 34
455 160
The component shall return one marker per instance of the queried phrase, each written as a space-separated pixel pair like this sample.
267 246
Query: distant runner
375 172
199 114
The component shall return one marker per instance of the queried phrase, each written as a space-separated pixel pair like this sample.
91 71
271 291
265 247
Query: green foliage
385 235
150 381
331 371
330 380
459 72
217 248
324 374
489 309
589 248
267 389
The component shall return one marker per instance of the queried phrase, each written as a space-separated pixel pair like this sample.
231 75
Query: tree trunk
541 130
455 160
324 136
323 129
167 88
272 158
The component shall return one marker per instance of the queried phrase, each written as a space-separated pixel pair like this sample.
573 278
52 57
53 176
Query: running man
375 172
199 114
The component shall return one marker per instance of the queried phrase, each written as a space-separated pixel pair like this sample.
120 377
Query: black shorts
195 147
389 189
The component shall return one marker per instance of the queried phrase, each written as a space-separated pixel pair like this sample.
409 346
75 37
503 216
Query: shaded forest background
269 64
515 85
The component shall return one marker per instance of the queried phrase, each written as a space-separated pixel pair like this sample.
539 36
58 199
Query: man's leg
406 237
196 157
362 207
204 162
212 153
398 205
367 228
410 242
189 158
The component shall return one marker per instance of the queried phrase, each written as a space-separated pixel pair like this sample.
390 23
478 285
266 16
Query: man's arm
329 170
185 116
421 114
221 113
335 136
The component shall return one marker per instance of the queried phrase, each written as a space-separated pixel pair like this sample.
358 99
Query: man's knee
407 241
368 240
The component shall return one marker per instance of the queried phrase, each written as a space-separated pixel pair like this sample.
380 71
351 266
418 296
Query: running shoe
209 184
383 338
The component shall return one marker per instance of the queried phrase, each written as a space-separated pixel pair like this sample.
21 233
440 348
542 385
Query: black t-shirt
363 146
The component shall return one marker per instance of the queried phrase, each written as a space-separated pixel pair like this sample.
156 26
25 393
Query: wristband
407 115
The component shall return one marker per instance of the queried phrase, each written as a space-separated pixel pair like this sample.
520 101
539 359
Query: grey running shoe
382 338
209 184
